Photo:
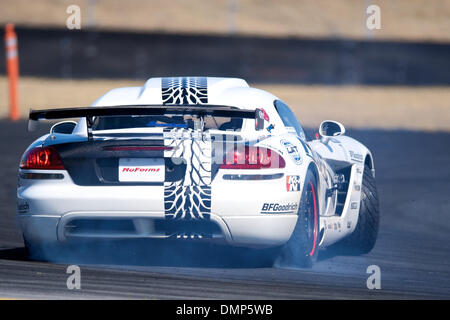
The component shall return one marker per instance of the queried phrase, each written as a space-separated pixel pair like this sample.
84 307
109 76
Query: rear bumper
48 211
247 231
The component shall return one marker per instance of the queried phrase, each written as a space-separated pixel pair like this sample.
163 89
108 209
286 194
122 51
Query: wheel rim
311 218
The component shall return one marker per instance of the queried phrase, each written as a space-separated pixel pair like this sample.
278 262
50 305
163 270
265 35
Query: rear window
169 121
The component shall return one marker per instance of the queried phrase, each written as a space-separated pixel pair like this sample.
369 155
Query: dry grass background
401 19
418 108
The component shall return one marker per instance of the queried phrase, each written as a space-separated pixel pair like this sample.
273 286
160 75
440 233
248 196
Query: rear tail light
253 158
42 158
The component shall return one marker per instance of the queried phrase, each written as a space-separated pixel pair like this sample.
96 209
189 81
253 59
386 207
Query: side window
288 117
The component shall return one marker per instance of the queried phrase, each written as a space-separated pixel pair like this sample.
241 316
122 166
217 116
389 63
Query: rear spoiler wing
147 110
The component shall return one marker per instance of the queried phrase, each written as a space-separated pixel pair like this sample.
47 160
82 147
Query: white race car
196 159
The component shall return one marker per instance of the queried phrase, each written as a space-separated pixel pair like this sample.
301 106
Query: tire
302 248
32 251
363 238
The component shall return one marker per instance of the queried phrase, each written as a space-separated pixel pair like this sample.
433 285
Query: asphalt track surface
412 251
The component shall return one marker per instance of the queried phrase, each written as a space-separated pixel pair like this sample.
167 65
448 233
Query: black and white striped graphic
189 198
187 202
184 90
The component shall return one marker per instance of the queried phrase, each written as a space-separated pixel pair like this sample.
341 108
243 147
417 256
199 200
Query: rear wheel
363 238
301 249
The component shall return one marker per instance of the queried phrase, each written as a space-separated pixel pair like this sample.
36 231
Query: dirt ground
418 108
400 19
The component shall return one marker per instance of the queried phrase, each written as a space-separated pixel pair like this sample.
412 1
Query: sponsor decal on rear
141 170
138 169
278 208
292 183
292 151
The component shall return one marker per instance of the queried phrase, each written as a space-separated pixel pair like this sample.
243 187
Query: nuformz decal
138 169
184 90
292 151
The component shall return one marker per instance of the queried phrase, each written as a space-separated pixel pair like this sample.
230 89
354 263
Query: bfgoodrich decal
279 208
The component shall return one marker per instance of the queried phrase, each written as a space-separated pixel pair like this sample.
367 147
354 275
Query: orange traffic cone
12 66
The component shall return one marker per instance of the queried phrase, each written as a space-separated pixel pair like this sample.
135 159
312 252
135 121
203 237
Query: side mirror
65 127
330 128
259 119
